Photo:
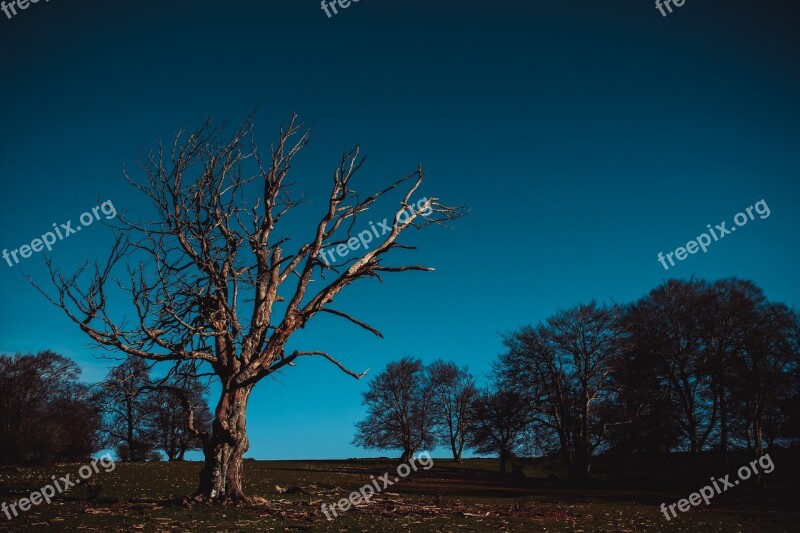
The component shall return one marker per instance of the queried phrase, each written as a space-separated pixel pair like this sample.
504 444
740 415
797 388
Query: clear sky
586 137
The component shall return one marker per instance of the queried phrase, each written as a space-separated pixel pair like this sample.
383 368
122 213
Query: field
448 497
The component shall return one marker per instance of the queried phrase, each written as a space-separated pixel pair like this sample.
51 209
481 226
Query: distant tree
789 425
72 424
763 374
453 391
169 415
722 356
500 421
399 410
731 312
669 328
641 414
128 410
46 415
564 369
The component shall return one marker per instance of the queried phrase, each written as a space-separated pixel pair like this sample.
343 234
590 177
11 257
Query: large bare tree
213 279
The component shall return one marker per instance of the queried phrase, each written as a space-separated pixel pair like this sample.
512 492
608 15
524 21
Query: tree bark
221 477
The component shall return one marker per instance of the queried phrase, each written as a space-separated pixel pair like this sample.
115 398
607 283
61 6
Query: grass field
448 497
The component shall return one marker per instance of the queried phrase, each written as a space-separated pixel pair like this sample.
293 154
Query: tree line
693 366
47 415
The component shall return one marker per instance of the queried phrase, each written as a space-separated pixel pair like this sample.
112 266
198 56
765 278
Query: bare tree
641 416
400 410
727 315
126 402
563 367
46 414
453 390
764 370
499 423
669 327
213 279
170 419
587 341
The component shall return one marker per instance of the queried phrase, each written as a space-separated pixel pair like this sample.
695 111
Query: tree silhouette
453 391
500 423
169 415
399 410
46 415
563 367
126 401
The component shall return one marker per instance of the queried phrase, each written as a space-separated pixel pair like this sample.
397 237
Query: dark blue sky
586 136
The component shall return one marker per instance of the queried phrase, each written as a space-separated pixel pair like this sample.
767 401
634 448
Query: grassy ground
449 497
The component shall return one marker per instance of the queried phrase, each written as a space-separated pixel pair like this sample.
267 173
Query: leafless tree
46 414
400 410
213 279
453 390
564 368
499 423
668 325
126 398
764 370
170 419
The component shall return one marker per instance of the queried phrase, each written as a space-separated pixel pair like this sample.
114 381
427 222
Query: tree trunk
582 463
503 461
408 453
723 433
460 448
132 454
456 451
221 477
585 451
758 427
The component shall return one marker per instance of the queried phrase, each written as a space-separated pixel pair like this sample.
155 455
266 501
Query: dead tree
213 280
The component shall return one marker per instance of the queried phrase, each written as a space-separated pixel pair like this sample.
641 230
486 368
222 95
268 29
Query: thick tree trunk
221 477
